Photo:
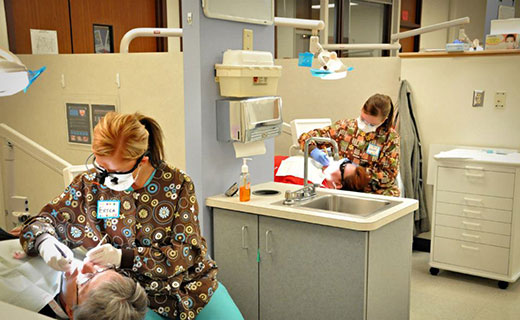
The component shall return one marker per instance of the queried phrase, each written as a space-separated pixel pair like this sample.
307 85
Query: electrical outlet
500 99
478 98
247 39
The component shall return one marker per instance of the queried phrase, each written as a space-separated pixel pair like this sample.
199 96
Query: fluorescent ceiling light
331 5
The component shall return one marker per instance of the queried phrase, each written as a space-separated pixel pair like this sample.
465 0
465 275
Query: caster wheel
503 285
434 271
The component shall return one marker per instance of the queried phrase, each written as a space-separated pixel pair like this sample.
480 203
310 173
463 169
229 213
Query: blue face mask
366 127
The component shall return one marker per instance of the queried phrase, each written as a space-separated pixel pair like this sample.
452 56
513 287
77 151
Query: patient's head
348 176
99 293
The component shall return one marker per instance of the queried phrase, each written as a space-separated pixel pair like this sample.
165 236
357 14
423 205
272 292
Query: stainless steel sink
347 204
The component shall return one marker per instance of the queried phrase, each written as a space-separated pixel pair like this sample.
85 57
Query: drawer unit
474 200
498 184
473 236
476 223
473 212
472 255
473 224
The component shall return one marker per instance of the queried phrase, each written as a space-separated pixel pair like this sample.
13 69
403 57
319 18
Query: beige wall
434 11
305 96
4 42
172 17
151 83
442 90
476 11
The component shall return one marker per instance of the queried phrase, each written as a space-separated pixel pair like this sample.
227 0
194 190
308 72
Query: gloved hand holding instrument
55 254
320 156
105 254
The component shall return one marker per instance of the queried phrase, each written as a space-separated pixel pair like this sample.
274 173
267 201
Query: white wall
442 90
476 11
151 83
4 40
285 35
172 17
305 96
434 11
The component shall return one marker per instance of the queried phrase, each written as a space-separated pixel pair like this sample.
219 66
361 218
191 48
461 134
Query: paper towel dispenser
249 120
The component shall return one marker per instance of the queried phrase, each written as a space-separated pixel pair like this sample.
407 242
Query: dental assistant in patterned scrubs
146 208
369 141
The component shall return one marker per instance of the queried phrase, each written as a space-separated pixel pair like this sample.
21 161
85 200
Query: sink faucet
309 190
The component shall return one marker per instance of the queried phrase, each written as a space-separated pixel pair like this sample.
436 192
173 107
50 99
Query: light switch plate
500 99
478 98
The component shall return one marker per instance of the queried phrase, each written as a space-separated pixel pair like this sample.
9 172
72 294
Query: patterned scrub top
158 231
377 151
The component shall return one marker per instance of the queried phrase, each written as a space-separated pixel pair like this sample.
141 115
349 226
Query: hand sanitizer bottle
245 183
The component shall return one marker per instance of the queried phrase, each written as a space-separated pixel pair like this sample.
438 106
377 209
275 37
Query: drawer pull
474 175
473 199
244 238
473 224
471 211
470 236
469 248
267 249
474 168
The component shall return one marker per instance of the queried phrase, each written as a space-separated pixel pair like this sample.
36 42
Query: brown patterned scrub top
158 231
354 144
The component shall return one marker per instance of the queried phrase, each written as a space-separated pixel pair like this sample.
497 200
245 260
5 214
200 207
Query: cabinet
282 269
476 218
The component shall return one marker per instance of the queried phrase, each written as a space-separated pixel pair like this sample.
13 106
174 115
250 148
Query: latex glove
55 254
320 156
105 255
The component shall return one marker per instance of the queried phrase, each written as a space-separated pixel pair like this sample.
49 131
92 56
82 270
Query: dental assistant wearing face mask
147 209
369 141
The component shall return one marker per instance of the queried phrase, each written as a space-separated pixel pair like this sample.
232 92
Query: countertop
265 206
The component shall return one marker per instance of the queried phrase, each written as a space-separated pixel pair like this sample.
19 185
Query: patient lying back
342 174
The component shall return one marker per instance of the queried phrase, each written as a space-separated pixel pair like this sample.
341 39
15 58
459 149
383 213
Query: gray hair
117 299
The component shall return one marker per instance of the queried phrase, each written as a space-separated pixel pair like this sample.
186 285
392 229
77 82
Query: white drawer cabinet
476 218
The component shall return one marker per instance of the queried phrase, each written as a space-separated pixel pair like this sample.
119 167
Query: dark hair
155 139
356 182
511 35
381 105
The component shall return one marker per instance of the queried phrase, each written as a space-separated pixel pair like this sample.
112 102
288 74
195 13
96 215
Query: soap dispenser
245 183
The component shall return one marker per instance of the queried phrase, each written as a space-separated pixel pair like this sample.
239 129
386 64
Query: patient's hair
133 133
118 299
356 182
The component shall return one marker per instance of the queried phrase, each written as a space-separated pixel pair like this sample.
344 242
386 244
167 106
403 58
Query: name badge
373 150
108 209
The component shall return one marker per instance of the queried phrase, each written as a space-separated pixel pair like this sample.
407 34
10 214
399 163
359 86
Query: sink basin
347 204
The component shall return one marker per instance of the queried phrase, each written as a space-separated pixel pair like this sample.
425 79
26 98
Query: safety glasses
102 173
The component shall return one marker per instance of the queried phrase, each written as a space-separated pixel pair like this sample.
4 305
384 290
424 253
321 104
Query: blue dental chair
220 307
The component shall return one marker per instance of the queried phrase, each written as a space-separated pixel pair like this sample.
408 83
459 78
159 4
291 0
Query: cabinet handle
244 238
473 199
470 235
471 211
469 248
474 175
267 242
471 224
474 168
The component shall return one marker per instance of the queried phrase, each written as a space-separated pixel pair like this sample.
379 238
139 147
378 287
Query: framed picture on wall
103 38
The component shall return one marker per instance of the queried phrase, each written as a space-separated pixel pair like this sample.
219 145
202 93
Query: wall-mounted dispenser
249 120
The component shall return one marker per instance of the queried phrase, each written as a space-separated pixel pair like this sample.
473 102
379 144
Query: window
350 21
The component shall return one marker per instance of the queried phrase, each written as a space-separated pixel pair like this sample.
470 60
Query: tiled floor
454 296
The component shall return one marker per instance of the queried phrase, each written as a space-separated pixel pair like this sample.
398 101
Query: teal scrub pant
219 307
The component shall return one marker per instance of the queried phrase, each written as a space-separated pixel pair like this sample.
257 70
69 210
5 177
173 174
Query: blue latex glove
320 156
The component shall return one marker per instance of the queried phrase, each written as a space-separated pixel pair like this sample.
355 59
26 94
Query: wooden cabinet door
235 240
310 271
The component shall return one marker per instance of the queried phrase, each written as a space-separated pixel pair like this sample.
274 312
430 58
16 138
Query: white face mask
119 182
365 127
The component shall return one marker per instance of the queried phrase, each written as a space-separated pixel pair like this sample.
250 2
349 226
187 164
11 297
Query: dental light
14 75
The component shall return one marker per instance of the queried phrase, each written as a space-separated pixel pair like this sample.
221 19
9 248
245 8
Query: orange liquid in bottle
245 193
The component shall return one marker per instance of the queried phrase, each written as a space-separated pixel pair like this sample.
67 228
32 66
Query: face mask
365 127
117 181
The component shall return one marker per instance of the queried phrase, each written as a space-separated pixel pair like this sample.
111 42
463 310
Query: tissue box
502 41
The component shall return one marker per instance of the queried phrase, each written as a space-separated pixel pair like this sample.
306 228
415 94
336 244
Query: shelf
457 54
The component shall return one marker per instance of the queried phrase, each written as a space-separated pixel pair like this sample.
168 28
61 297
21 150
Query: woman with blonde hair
135 213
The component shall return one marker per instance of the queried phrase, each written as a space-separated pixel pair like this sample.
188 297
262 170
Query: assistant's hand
105 255
55 254
320 156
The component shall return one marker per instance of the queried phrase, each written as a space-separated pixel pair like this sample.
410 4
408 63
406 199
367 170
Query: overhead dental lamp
14 75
